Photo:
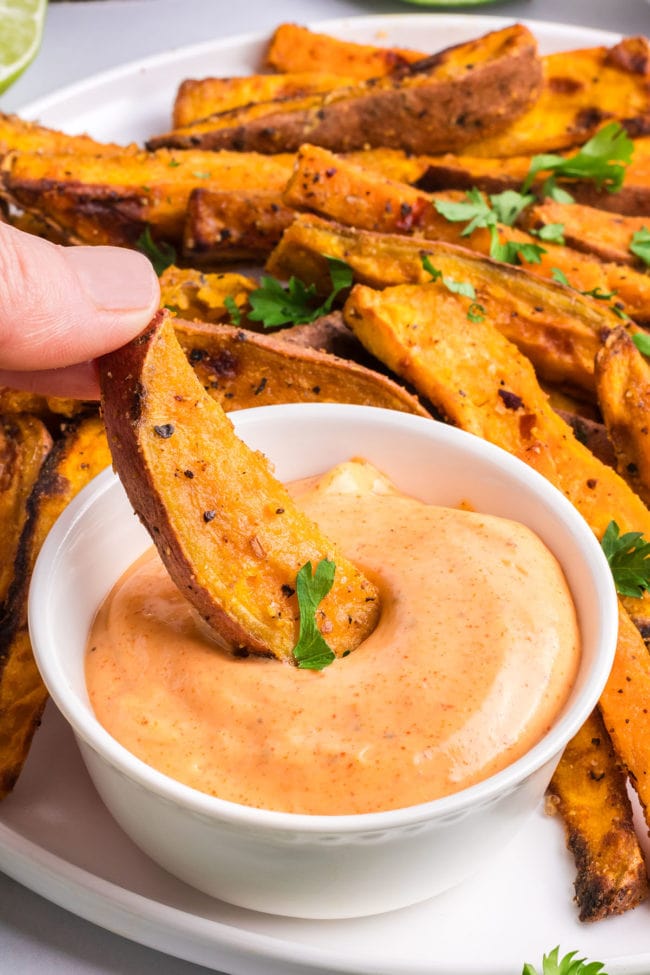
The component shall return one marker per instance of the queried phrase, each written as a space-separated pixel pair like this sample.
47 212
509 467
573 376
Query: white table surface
82 39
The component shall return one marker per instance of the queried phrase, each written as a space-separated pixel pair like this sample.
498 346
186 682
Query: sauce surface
476 650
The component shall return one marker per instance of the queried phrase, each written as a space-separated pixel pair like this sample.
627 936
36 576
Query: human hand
61 307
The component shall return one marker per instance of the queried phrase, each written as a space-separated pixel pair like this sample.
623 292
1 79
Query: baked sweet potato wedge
227 530
296 48
241 369
21 135
623 386
606 235
434 105
589 792
197 98
230 225
112 201
559 329
344 191
581 90
80 454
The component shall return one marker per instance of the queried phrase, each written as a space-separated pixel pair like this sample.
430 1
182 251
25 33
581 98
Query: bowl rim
87 727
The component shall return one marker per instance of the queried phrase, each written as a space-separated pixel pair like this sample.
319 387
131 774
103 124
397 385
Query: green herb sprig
629 559
558 275
552 964
312 652
274 305
642 342
162 255
602 160
640 245
476 311
498 208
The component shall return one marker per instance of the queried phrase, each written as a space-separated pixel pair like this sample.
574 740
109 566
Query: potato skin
431 106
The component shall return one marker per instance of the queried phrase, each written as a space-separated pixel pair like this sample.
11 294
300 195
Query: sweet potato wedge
341 190
76 457
197 98
296 48
240 369
18 134
433 105
588 790
606 235
112 201
559 329
623 386
223 225
24 445
228 532
581 90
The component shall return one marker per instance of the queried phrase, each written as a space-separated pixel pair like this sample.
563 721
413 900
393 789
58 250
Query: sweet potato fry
480 382
475 88
229 225
17 134
343 191
606 235
581 90
240 369
112 201
559 329
296 48
228 532
198 98
589 792
623 385
80 454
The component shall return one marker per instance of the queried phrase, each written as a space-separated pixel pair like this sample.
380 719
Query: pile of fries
503 292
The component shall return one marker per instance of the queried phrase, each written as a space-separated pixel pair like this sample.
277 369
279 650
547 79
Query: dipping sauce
474 655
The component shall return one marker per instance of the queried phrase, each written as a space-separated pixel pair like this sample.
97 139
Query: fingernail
114 278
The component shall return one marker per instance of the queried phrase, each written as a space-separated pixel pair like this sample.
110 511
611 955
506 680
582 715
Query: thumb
63 306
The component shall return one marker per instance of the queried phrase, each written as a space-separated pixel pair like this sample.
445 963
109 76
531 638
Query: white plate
57 838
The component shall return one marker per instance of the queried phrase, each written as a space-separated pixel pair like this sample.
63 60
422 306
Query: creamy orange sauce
476 650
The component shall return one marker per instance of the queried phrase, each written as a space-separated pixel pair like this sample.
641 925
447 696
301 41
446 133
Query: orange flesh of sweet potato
296 48
589 791
606 235
451 98
228 532
81 453
343 191
202 295
623 385
228 225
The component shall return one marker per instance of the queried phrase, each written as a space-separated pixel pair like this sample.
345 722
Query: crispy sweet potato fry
228 225
23 136
494 174
623 385
483 384
607 235
589 792
475 88
556 327
111 201
24 445
198 98
228 532
80 454
581 90
296 48
241 369
341 190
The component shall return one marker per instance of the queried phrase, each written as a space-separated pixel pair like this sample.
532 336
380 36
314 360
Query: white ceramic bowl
301 865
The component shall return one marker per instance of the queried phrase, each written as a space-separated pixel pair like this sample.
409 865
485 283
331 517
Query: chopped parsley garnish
602 160
273 305
558 275
640 245
502 208
456 287
311 651
476 312
161 255
552 964
642 342
552 233
629 559
233 309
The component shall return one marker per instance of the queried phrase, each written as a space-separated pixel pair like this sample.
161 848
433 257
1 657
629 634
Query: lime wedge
21 29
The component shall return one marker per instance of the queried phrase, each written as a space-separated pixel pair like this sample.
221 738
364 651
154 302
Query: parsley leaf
552 233
642 342
552 964
233 309
476 210
311 651
161 255
640 245
558 275
274 305
476 312
629 559
502 208
509 204
456 287
602 159
514 251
